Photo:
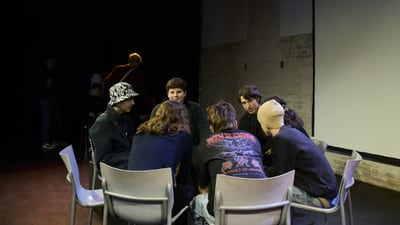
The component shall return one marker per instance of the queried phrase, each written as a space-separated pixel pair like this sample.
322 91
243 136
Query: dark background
87 37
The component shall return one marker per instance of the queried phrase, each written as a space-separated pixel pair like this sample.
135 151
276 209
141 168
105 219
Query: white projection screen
357 75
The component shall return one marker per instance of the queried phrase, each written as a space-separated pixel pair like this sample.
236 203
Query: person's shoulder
100 123
119 66
155 107
246 134
244 116
289 133
194 104
183 133
185 136
117 69
101 119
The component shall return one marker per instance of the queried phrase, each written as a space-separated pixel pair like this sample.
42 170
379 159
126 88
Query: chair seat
91 198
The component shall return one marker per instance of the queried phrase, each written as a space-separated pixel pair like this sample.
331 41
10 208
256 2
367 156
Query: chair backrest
68 157
253 200
347 180
138 196
320 143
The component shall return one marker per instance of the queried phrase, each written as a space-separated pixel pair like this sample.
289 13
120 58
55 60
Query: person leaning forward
113 131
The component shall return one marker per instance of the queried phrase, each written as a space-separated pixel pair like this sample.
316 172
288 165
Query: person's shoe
48 146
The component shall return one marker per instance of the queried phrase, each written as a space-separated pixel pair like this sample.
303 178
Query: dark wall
85 39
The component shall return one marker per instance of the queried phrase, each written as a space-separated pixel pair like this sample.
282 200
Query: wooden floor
34 191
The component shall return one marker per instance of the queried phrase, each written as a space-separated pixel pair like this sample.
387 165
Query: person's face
126 105
176 94
250 105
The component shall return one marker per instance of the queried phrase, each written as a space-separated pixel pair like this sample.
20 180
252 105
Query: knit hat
270 115
120 92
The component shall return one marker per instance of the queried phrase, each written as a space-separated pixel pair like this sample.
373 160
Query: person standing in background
48 104
133 74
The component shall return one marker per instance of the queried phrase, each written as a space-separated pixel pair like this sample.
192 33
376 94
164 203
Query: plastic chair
80 195
95 174
139 196
253 201
320 143
344 198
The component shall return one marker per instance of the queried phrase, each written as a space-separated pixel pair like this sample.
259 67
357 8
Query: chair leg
90 215
105 214
350 208
73 211
94 176
343 214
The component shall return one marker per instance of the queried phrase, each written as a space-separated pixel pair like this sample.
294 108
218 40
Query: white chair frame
255 201
82 196
344 203
139 196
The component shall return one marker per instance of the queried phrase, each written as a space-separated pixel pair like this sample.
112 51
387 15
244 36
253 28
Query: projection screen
357 75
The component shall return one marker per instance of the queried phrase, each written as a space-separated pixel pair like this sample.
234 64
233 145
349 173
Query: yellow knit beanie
270 115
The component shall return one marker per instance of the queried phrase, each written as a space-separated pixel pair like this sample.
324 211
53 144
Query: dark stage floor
34 191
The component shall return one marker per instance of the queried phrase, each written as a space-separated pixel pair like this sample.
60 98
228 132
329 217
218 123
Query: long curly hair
171 118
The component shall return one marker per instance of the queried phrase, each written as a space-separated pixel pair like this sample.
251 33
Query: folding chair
344 202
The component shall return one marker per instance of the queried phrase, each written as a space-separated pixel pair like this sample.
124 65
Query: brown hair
176 82
170 118
250 91
221 116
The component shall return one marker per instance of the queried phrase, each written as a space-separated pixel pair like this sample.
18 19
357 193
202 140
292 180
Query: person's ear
235 124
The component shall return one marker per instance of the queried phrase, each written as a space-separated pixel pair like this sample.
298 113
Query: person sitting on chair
314 182
112 132
165 141
228 151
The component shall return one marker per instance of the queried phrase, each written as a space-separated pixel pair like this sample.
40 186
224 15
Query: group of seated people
198 144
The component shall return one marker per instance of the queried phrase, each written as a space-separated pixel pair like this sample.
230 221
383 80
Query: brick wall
280 66
375 173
